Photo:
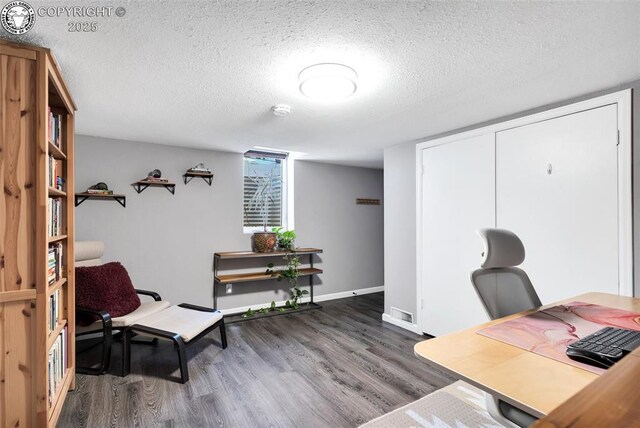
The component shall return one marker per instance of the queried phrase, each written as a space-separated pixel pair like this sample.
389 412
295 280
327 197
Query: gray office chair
504 289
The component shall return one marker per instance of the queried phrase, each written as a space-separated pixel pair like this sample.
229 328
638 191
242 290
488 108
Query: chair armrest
197 308
153 294
103 316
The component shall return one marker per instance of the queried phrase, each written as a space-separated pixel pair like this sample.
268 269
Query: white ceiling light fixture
328 81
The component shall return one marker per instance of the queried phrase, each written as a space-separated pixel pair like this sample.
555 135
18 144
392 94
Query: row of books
55 128
55 300
54 262
55 179
54 216
57 363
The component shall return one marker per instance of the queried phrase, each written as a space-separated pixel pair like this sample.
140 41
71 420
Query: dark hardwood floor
339 366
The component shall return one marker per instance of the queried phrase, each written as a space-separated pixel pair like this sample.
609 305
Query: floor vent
401 315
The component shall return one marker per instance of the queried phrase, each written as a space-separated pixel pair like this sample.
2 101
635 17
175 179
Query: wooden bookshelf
33 85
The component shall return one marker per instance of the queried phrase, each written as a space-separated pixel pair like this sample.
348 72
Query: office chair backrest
503 288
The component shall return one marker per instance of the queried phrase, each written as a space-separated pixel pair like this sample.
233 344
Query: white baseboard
320 298
402 324
350 293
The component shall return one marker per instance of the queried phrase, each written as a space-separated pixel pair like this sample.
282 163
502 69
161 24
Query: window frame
286 190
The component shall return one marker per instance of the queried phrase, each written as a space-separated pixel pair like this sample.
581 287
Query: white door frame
625 212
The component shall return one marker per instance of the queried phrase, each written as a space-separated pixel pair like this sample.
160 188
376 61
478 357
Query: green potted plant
290 272
263 198
286 238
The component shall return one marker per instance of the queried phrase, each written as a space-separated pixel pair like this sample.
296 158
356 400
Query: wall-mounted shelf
142 185
207 177
81 197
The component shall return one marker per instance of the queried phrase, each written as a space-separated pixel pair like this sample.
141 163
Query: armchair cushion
106 288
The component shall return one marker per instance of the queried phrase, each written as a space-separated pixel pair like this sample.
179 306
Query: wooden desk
524 379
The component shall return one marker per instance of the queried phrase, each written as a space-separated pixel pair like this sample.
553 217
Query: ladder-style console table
262 275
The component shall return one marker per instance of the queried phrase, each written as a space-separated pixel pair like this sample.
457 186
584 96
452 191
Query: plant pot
263 242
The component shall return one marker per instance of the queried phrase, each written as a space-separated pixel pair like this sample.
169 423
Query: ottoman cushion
188 323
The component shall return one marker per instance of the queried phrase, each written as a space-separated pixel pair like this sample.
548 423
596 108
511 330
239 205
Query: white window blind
264 190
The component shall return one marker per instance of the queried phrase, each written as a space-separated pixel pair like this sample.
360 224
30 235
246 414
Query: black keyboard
605 347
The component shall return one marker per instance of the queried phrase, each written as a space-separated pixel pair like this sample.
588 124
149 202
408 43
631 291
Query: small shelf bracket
141 187
207 178
121 199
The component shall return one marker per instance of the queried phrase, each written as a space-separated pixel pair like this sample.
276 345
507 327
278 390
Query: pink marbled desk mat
550 331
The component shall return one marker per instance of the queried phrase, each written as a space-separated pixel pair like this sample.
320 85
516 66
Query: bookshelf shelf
36 167
55 151
56 285
53 192
142 185
81 197
53 335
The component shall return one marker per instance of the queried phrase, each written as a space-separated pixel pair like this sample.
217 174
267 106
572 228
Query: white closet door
458 197
556 187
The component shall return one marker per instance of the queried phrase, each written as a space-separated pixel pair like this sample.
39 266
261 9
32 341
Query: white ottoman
183 324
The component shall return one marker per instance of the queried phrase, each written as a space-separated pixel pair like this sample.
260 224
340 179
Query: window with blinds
265 193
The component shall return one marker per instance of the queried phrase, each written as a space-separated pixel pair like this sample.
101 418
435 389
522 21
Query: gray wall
400 228
399 185
167 242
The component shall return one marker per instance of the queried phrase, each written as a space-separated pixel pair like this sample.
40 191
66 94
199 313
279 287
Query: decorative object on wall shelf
361 201
198 171
81 197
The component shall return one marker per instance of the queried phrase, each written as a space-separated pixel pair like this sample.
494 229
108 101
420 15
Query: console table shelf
309 271
259 276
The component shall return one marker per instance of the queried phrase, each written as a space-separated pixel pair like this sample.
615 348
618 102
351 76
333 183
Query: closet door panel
458 197
556 187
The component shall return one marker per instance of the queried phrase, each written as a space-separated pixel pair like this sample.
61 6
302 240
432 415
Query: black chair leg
126 352
182 360
223 334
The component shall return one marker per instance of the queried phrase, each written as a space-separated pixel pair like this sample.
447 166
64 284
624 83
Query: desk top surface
529 381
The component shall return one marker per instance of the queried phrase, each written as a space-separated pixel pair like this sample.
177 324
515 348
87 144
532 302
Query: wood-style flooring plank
339 366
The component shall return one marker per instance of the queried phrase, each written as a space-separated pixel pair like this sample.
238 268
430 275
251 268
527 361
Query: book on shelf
54 309
54 216
54 263
55 178
155 180
55 128
57 366
199 170
99 192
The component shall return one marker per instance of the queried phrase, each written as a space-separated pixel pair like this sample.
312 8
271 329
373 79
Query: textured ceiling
205 74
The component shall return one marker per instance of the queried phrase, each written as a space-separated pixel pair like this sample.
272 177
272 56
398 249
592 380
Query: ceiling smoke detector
281 110
328 81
